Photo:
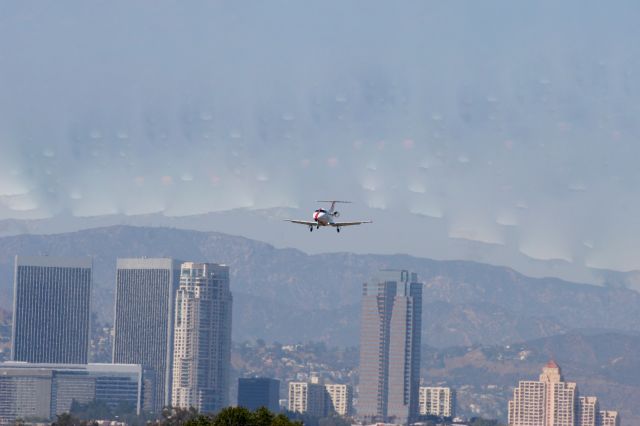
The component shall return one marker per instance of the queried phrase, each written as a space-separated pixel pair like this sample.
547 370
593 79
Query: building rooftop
551 364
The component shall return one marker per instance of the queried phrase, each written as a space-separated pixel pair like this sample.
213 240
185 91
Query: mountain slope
603 364
465 302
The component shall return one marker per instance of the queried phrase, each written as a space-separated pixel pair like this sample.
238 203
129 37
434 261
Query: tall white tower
202 338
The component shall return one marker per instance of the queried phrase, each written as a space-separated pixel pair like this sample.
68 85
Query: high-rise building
319 399
588 411
551 401
51 308
528 404
391 325
257 392
41 391
437 401
608 418
145 292
339 399
548 402
310 398
202 338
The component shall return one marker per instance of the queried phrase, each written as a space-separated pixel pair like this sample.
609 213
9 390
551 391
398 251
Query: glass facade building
145 291
257 392
51 308
41 391
390 335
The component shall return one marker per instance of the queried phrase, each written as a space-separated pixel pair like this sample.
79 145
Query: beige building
340 399
608 418
588 408
437 401
527 408
307 398
547 402
551 401
202 338
319 399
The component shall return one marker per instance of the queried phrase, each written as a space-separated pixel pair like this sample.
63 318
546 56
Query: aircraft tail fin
333 204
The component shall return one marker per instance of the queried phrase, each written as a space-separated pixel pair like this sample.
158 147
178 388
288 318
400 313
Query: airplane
322 217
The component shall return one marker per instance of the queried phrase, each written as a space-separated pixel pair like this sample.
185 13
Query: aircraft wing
341 224
303 222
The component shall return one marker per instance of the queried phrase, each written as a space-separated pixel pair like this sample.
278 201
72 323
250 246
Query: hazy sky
501 122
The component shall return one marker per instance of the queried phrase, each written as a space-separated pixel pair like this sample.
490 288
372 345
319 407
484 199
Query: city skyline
551 374
152 152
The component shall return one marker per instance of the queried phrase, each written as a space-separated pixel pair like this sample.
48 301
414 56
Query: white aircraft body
322 217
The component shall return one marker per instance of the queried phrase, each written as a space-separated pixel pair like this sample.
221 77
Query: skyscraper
202 337
257 392
51 308
551 401
390 347
145 292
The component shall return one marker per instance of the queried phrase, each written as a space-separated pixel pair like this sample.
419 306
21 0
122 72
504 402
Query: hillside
603 364
285 294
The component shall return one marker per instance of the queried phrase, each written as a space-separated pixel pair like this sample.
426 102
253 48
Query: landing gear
338 230
311 229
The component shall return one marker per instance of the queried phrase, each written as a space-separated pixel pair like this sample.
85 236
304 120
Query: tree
282 420
239 416
262 417
178 416
94 410
233 416
333 420
66 419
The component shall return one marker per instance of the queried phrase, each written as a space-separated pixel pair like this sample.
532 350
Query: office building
339 399
391 325
145 292
202 338
257 392
437 401
51 308
550 401
41 391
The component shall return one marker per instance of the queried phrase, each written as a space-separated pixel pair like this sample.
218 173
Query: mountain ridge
465 302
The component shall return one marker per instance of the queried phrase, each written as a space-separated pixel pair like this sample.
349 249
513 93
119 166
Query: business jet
322 217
